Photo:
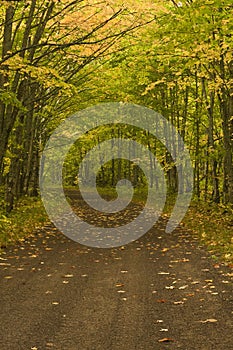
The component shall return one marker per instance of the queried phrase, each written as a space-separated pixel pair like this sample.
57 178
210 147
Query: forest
175 57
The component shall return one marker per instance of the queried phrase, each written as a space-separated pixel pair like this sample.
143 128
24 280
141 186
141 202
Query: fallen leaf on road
183 287
209 320
5 264
178 302
165 340
230 274
119 284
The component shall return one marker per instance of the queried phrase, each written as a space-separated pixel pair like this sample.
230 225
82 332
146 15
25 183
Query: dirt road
160 292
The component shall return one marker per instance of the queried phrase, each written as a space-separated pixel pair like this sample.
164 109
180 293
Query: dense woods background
58 57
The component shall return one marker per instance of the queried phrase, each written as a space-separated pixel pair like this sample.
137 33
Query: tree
181 66
45 47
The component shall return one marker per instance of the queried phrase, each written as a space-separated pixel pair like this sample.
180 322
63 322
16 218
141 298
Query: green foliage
111 172
10 98
28 216
212 224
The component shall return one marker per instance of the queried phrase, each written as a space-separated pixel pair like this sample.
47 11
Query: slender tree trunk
197 145
210 111
226 108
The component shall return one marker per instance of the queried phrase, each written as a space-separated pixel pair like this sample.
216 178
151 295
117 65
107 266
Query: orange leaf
165 340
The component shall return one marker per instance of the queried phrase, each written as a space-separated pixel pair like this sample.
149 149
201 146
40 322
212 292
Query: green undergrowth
25 218
212 224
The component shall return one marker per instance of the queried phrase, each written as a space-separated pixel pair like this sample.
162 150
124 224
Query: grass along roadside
212 224
28 215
